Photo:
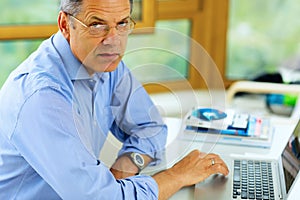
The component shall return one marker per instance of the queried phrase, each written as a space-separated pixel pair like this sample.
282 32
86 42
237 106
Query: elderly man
58 106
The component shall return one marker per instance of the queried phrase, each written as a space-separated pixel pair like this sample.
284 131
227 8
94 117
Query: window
15 16
22 30
244 38
28 12
262 35
12 53
162 55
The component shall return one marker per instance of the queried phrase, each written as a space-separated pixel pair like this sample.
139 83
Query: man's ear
63 24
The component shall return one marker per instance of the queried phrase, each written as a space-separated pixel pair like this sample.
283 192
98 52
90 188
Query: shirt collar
73 66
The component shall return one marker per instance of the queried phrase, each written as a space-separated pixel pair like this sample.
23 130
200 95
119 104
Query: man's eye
97 25
122 24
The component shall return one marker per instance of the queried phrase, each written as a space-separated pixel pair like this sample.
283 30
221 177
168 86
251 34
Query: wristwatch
137 159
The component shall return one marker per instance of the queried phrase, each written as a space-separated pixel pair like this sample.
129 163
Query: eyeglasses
124 27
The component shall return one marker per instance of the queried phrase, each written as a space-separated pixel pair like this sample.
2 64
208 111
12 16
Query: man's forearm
168 183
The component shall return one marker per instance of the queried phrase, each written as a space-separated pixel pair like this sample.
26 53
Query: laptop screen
291 158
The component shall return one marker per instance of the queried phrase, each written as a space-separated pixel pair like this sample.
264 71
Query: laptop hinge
279 182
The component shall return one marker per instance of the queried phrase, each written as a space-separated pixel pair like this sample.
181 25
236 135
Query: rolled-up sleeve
146 187
138 123
46 137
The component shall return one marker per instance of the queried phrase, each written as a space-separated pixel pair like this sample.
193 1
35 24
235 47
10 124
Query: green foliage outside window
261 35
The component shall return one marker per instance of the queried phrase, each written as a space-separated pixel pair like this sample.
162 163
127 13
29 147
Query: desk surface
176 147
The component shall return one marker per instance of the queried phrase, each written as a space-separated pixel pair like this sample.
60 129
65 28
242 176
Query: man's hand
193 168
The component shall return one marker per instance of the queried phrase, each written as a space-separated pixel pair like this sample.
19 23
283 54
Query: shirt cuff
145 187
154 147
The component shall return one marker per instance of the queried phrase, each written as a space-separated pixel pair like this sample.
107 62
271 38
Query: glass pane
137 10
12 53
148 64
262 35
28 11
162 55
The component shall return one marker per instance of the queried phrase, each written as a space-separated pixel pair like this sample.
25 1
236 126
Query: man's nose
111 36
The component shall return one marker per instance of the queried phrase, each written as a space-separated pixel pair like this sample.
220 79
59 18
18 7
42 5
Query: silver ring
212 161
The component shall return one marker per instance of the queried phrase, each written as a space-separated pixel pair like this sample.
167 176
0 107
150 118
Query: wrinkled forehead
111 6
106 9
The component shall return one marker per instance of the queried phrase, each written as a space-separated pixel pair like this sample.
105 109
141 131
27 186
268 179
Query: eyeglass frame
107 28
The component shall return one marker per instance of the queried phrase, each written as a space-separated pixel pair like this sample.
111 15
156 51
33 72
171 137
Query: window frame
209 26
25 32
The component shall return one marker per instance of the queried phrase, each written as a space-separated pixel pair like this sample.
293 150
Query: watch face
139 159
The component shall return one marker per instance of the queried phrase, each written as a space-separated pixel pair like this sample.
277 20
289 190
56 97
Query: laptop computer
255 178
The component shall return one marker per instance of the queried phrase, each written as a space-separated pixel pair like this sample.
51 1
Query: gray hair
74 6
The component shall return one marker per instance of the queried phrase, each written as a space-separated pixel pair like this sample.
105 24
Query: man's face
99 53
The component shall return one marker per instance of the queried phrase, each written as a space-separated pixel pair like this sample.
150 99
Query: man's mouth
109 55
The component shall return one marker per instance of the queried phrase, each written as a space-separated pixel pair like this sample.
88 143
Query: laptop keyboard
252 180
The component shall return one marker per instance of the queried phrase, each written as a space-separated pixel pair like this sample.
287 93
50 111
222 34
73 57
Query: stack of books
230 127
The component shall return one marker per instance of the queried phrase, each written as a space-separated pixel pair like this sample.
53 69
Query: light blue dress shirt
54 119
